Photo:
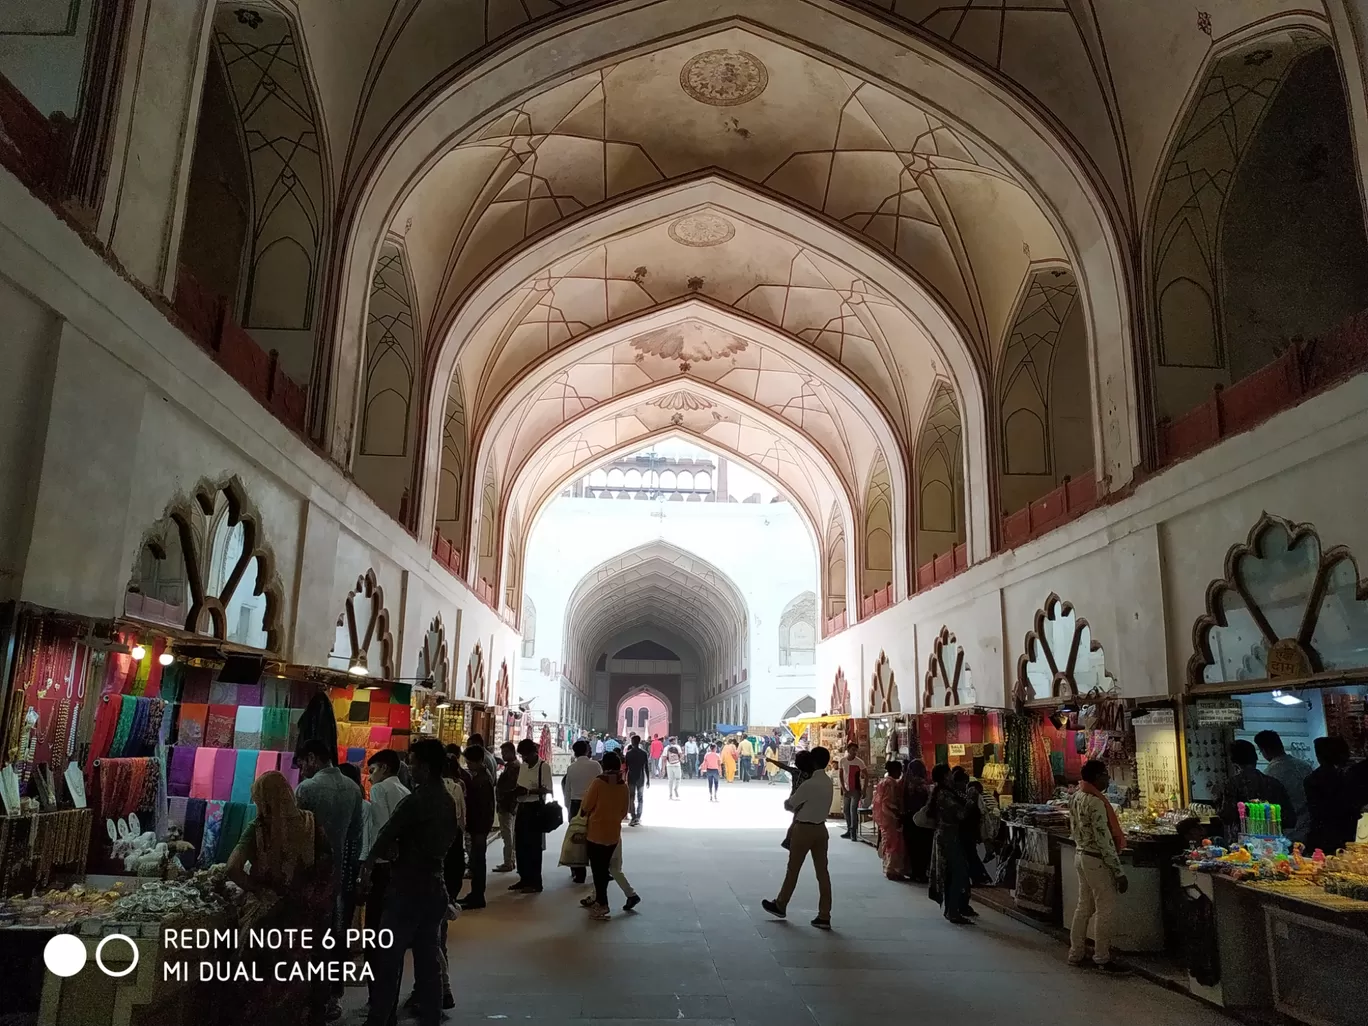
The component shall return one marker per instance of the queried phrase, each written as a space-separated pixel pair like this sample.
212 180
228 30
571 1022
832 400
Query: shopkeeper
1247 784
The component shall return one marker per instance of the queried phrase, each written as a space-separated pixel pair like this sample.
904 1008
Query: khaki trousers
808 839
1096 902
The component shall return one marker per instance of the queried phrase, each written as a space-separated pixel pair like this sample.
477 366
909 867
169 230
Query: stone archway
649 711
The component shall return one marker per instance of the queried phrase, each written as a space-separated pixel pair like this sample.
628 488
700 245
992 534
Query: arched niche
363 638
839 704
835 559
1256 236
1061 660
205 567
798 631
501 688
940 476
1286 609
948 681
434 658
475 674
883 689
878 528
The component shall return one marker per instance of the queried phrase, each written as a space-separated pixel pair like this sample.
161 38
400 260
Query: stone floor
699 948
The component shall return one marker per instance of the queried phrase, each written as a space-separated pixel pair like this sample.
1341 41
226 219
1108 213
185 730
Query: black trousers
636 793
375 912
479 860
600 855
577 873
527 844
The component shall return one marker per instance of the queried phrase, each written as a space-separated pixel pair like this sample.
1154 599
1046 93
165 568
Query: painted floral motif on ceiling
702 230
724 78
689 348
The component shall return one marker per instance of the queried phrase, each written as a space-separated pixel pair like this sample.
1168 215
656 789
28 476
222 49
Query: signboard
1218 712
761 731
957 749
1153 718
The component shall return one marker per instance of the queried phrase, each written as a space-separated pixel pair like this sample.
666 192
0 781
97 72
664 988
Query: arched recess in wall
940 476
219 194
878 528
364 643
529 627
487 565
205 567
451 481
434 658
948 680
278 127
835 559
798 631
1043 389
475 674
1060 658
386 447
512 575
1256 233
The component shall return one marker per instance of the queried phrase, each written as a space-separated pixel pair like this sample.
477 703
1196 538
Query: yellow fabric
801 723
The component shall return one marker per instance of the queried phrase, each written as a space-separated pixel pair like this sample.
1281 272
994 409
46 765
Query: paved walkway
700 948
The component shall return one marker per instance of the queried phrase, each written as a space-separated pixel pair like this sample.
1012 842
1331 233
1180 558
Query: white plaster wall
138 414
1137 570
764 548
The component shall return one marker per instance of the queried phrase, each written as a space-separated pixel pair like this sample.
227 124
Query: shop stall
1275 902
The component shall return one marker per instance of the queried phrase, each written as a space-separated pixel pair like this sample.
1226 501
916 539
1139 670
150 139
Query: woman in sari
888 813
916 840
729 759
284 864
949 867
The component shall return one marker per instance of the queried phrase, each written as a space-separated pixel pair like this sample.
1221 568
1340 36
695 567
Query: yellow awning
801 723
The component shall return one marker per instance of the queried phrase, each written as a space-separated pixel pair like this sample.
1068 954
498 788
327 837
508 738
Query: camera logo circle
99 954
64 955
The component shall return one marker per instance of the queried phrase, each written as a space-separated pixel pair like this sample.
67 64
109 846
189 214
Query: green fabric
275 729
401 693
942 754
1057 763
234 822
128 706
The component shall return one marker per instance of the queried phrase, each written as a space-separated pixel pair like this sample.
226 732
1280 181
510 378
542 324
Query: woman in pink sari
888 815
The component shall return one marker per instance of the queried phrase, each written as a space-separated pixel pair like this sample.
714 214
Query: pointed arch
939 469
835 564
798 631
878 528
487 541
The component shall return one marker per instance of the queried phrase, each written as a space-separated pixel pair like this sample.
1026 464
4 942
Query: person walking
691 757
674 768
853 770
730 758
534 784
638 762
1098 839
580 774
605 803
888 816
712 767
480 814
949 868
657 756
599 748
505 802
810 803
746 751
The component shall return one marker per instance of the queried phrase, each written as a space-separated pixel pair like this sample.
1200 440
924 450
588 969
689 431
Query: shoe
632 902
772 907
822 924
847 836
1083 963
587 901
502 869
467 904
957 920
1114 968
448 1002
601 913
970 911
412 1001
516 885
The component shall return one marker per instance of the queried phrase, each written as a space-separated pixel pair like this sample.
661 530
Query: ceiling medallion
682 401
701 230
724 78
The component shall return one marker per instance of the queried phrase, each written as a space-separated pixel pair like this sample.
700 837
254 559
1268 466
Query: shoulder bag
552 815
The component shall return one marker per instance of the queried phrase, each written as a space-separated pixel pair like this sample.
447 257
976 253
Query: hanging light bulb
357 667
138 653
166 658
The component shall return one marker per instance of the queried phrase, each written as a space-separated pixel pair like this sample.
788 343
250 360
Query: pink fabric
266 762
202 779
380 737
291 774
225 763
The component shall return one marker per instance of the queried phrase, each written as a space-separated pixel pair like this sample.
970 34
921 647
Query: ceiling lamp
138 652
357 667
166 658
445 704
1283 698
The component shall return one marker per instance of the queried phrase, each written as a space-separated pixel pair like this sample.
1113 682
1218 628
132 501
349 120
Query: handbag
921 820
574 849
552 816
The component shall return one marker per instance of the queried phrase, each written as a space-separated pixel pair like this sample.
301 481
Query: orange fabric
1113 824
605 806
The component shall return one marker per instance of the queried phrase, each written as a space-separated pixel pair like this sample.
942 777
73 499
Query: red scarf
1113 824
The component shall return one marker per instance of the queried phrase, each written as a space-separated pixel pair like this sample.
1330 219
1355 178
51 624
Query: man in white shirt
852 769
385 795
598 748
810 804
581 773
691 756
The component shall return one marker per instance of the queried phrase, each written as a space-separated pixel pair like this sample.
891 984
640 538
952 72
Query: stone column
156 113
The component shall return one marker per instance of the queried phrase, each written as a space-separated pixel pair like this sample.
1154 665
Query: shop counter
1138 923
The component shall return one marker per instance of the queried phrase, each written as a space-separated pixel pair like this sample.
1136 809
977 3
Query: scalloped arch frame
948 676
377 628
1062 683
883 688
